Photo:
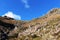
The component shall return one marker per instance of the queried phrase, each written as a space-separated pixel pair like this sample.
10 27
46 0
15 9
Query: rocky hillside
46 27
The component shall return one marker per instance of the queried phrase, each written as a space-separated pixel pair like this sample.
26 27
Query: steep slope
51 15
46 27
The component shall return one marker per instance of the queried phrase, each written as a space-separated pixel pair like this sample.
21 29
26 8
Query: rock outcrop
6 25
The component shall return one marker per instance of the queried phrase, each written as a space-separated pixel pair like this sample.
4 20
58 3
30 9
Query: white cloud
12 15
26 3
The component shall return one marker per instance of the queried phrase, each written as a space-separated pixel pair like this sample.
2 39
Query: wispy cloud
12 15
26 3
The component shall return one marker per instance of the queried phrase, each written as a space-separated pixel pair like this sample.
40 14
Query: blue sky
27 9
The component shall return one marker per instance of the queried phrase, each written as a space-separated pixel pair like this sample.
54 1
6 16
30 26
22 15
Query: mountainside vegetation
46 27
